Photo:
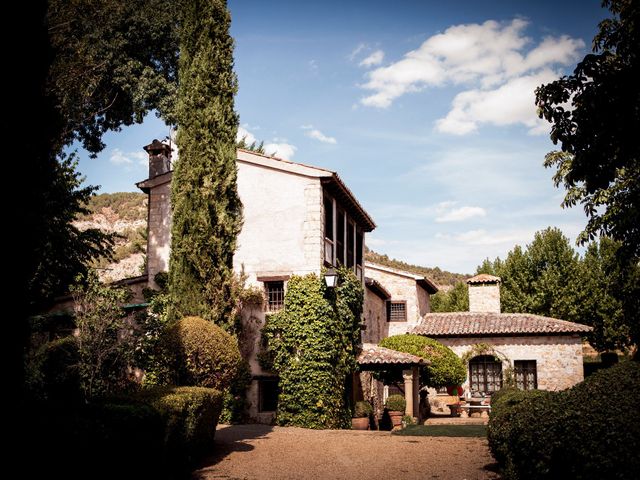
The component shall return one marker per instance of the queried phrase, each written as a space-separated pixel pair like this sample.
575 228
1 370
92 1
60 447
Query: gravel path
264 452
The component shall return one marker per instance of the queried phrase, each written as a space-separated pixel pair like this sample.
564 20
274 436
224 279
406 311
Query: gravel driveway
264 452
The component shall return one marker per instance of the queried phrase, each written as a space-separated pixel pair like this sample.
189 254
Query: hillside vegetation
441 277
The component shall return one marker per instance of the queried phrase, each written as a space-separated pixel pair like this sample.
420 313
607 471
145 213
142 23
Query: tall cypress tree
207 212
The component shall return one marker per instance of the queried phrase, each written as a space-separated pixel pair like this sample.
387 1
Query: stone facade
484 297
402 286
558 357
375 314
283 234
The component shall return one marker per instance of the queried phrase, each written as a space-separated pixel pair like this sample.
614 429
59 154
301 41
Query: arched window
485 374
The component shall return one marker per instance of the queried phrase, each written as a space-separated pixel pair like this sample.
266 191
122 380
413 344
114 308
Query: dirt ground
264 452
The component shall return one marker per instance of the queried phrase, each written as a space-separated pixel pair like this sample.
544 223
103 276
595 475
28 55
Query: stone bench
483 410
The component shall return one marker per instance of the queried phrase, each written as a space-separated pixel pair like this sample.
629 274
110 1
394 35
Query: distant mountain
441 277
125 214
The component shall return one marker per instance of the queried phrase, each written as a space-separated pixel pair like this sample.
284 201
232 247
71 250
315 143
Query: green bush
52 372
590 431
396 403
199 353
235 404
445 367
362 409
189 416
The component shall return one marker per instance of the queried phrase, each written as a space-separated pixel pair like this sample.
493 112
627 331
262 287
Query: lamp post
331 277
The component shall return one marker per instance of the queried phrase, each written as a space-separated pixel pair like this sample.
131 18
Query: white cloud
354 53
249 138
318 135
284 151
492 58
449 214
373 59
118 157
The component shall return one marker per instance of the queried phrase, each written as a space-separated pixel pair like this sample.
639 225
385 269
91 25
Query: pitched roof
331 180
372 354
464 324
484 278
424 282
377 288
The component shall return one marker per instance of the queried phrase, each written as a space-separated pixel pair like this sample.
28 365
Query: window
526 374
340 238
275 295
397 311
350 244
328 230
268 394
485 374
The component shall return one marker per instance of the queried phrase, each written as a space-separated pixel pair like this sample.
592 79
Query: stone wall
401 287
484 297
375 318
558 358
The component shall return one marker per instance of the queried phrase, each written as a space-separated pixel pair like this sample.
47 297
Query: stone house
298 219
540 352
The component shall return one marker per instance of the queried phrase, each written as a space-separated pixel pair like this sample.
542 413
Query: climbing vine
313 343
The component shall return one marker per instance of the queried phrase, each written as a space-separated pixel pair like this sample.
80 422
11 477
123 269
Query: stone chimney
484 293
159 158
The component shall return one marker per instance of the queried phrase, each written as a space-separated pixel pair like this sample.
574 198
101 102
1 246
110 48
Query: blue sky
425 109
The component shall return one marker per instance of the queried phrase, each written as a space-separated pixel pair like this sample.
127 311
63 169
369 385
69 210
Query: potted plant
361 412
396 406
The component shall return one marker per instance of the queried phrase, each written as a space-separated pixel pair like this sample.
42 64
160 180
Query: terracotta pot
361 423
396 418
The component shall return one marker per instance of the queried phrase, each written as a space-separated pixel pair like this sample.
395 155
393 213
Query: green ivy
314 342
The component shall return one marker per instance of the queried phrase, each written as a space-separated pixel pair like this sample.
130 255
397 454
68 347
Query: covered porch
373 358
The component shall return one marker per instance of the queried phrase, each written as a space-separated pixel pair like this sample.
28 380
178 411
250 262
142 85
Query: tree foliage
455 299
599 161
314 342
207 212
105 339
549 278
445 367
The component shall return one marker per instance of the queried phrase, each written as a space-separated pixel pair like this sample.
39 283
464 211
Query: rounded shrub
445 367
396 403
199 353
362 409
52 372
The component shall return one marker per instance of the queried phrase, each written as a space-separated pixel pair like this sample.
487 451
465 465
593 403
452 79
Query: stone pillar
416 393
407 375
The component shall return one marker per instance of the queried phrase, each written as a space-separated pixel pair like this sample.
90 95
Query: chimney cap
156 147
484 278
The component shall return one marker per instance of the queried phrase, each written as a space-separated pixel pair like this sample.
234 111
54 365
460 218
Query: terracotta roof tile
373 354
484 278
461 324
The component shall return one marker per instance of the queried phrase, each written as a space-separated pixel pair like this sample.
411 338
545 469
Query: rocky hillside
125 214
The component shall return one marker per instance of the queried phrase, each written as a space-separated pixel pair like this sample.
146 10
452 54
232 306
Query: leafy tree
253 146
445 367
599 160
609 293
106 342
455 299
207 212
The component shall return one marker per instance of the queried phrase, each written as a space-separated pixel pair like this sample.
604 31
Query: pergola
372 357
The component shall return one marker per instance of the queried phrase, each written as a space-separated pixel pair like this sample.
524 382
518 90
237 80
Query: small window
396 311
268 394
526 374
275 295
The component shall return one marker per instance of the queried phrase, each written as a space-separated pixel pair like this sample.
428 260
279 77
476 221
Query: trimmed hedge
590 431
197 352
190 416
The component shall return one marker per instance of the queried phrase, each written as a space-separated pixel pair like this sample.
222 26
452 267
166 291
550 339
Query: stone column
407 375
416 393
